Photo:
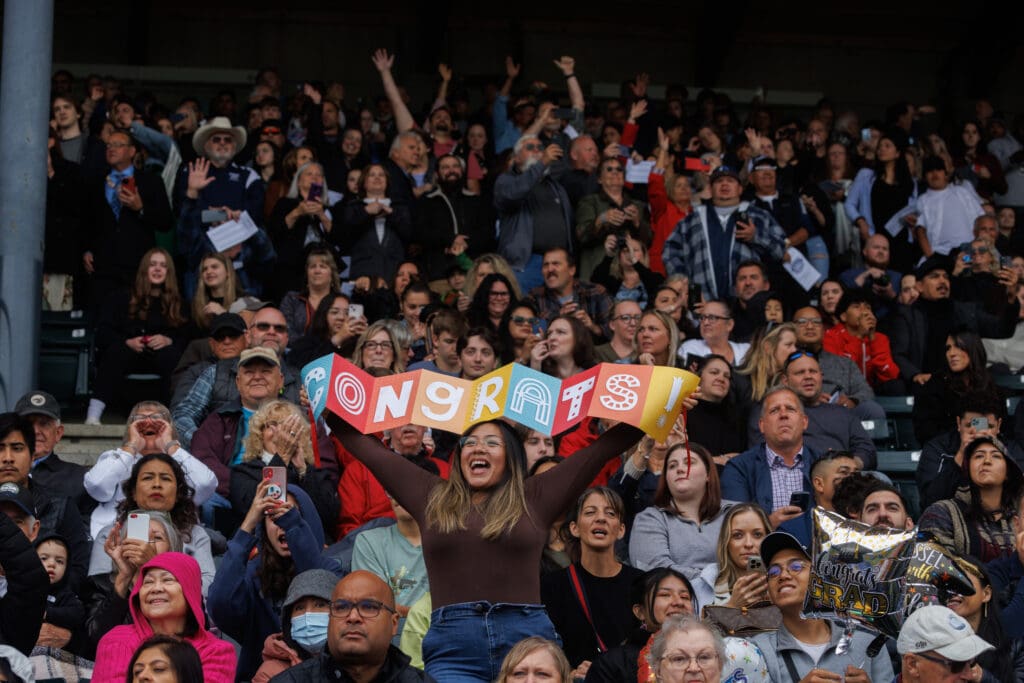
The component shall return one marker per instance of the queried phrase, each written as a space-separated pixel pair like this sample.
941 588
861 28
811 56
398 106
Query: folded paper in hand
801 269
637 172
232 233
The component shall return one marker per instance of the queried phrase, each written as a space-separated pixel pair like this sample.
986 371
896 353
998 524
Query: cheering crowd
808 269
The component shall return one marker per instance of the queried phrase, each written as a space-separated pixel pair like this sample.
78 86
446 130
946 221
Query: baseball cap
763 162
776 542
227 322
38 403
23 498
938 629
724 172
259 353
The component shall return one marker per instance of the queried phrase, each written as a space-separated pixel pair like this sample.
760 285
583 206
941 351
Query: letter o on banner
349 392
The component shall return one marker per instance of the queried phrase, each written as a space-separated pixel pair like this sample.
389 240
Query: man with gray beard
534 213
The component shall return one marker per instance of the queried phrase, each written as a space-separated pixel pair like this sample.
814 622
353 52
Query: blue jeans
206 511
467 641
817 254
531 275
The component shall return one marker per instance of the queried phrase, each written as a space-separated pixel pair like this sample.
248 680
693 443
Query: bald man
363 621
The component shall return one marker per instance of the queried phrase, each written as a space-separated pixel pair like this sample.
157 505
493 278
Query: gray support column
24 116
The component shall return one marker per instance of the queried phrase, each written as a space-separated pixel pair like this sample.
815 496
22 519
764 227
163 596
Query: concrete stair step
84 443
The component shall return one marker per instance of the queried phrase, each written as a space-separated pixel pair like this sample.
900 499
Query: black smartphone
316 190
742 217
209 216
693 295
801 499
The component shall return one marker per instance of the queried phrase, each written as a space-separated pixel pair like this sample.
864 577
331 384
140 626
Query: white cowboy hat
219 124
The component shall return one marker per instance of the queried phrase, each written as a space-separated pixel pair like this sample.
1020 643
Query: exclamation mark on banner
673 396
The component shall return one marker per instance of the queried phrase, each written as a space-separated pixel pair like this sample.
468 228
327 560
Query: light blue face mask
310 631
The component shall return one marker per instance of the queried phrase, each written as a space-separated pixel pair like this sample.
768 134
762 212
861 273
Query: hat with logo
22 497
777 541
938 629
724 172
261 354
38 403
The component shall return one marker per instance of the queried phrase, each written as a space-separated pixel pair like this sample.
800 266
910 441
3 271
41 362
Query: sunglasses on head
797 355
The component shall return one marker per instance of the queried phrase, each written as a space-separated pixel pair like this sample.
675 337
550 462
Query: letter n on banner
441 401
574 399
316 377
394 400
531 398
349 394
621 392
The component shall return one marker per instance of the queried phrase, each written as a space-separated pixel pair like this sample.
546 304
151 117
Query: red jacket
665 215
363 498
872 356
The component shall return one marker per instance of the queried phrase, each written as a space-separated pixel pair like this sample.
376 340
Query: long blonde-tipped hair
232 289
451 500
727 571
760 364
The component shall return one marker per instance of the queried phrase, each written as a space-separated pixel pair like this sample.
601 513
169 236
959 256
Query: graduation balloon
858 572
933 577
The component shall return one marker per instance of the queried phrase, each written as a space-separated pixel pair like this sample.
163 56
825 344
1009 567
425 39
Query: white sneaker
93 421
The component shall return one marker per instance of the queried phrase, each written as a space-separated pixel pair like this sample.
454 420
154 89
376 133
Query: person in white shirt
945 213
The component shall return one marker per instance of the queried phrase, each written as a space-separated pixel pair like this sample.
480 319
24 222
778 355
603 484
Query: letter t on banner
574 399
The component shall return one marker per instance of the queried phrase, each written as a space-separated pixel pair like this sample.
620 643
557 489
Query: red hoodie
119 644
872 356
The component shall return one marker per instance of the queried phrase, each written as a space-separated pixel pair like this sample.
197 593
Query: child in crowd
63 608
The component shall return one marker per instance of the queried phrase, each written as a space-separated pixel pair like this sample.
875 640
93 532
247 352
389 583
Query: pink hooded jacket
118 645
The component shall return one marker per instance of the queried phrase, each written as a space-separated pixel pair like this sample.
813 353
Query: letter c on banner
350 393
315 375
621 386
443 394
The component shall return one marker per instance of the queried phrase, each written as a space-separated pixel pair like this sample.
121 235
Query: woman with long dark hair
661 593
878 193
490 302
965 372
166 659
1005 663
332 329
139 330
973 163
483 530
977 520
245 598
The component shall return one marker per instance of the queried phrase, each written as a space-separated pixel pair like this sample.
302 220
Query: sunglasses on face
954 667
224 336
221 139
266 327
520 320
529 147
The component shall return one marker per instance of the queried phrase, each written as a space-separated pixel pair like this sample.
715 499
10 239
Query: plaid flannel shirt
592 298
687 251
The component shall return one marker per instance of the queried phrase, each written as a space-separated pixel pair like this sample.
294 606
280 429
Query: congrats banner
646 396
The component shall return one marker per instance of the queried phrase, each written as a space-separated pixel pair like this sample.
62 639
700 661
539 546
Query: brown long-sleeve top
462 566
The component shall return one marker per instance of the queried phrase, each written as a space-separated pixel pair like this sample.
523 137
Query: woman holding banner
483 531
